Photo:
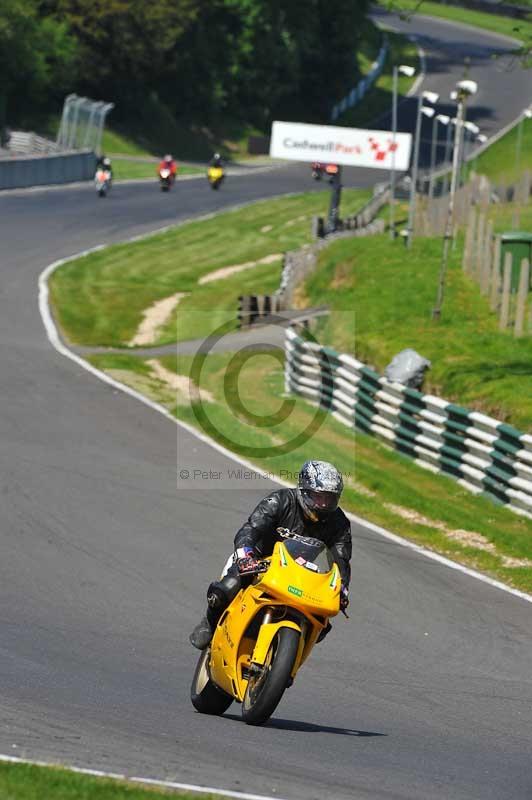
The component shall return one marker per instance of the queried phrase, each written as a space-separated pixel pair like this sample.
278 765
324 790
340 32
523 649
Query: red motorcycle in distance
167 173
320 170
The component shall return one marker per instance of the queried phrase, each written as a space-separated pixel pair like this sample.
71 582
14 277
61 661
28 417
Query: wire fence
82 123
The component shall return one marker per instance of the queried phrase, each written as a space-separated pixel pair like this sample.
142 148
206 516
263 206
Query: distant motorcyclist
310 510
168 163
104 162
216 161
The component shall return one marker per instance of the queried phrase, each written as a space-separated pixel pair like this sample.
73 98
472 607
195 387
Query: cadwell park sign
354 147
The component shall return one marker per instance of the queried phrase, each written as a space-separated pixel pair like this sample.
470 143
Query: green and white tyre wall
483 454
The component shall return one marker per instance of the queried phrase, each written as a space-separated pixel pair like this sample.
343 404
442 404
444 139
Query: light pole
447 156
432 97
404 69
444 119
526 114
464 89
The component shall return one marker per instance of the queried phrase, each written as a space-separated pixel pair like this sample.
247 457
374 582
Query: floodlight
467 87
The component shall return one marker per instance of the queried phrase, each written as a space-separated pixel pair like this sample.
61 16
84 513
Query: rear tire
264 692
205 696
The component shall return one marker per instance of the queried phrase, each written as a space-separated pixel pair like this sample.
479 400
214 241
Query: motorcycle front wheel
205 696
265 689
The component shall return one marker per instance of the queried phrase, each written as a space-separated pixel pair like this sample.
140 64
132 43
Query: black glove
344 598
247 565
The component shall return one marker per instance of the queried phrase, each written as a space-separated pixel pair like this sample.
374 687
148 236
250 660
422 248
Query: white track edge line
188 787
55 340
423 70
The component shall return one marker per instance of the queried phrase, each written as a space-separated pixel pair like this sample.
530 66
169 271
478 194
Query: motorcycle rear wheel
205 696
264 692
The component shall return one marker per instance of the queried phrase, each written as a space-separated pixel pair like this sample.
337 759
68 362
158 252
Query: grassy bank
99 300
382 486
499 161
28 782
392 293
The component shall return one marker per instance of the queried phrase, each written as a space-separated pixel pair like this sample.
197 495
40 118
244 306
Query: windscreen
310 553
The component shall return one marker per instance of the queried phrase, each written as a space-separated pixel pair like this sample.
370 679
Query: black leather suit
281 509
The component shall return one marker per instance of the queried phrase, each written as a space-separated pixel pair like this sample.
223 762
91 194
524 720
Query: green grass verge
124 170
382 486
515 28
391 294
114 142
99 299
379 99
499 163
29 782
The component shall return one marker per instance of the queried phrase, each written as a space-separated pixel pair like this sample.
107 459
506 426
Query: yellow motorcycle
215 176
268 630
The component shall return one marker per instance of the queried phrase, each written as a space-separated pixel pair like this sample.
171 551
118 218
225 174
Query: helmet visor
326 502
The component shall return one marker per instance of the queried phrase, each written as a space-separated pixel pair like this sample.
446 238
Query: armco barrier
357 94
27 171
484 455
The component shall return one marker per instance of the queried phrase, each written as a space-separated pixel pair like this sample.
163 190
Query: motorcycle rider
168 163
216 161
310 510
104 162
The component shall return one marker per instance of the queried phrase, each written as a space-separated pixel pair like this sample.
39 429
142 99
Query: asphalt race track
426 692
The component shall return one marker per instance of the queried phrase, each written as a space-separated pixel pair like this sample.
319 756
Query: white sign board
354 147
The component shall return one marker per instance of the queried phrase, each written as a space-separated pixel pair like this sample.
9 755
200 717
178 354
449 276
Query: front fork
267 633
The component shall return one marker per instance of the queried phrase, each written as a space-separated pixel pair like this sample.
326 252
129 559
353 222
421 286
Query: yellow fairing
215 173
287 595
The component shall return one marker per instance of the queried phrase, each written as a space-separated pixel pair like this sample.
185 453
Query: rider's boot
203 632
219 595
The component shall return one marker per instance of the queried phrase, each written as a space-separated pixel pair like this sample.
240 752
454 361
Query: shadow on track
308 727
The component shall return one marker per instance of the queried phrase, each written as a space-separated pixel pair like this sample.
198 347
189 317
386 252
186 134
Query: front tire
264 692
205 696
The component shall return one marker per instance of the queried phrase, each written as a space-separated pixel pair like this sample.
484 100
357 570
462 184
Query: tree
125 45
37 56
